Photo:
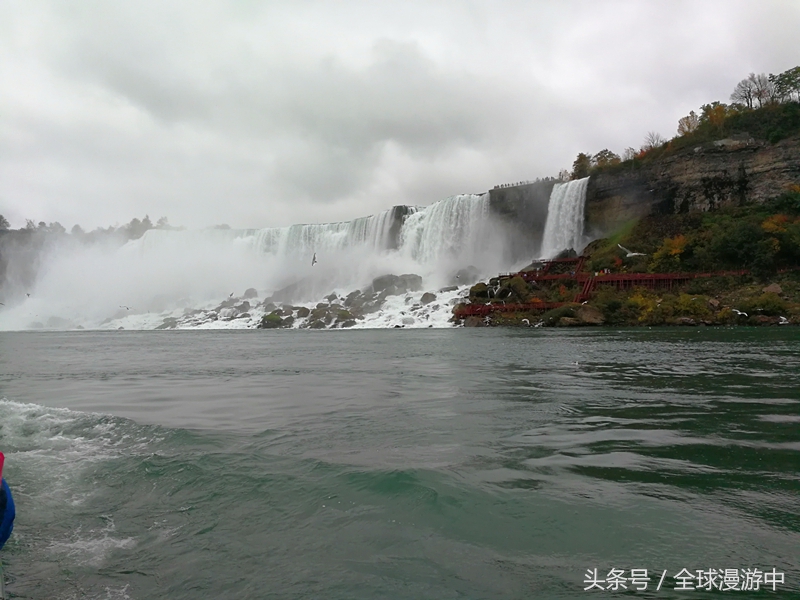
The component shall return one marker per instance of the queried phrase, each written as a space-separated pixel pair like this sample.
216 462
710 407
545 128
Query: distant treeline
764 107
135 229
22 250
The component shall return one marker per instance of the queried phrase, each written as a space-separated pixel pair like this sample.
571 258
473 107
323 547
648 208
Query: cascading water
565 217
370 232
448 228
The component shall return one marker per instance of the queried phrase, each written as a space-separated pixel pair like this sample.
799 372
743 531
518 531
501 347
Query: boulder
384 282
169 323
410 283
589 315
773 288
352 297
474 322
349 323
479 290
688 321
568 322
271 321
518 287
344 315
764 320
303 312
250 293
316 325
427 298
393 285
243 307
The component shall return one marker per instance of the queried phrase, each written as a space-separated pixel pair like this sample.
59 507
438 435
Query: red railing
590 282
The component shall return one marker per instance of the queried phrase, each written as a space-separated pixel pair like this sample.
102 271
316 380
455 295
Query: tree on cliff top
581 166
4 224
653 140
688 123
605 158
786 85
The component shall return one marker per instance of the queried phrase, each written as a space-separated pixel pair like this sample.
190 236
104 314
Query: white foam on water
91 548
54 446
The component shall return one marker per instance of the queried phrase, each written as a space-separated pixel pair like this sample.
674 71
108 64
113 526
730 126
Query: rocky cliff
523 210
738 170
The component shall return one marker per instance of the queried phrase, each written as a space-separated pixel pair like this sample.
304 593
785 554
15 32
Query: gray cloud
271 113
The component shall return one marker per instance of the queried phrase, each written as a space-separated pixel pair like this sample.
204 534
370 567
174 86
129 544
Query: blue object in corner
7 513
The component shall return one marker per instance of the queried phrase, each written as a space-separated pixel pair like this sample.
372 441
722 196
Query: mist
89 285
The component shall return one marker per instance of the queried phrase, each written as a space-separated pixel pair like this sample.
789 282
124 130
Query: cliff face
732 171
523 211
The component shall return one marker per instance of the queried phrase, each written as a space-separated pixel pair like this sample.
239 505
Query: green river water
401 464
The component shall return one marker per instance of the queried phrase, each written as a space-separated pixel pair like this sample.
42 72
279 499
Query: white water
565 217
370 233
165 273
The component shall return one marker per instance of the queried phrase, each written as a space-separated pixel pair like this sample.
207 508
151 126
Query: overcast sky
263 114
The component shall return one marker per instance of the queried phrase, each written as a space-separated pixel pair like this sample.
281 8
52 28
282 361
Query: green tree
605 158
786 85
581 166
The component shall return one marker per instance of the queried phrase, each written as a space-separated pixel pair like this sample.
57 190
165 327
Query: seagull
2 304
739 312
314 259
28 294
528 323
783 321
125 307
629 253
230 295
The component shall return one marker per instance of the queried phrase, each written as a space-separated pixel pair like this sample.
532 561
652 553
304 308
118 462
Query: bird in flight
125 307
230 295
314 259
628 253
740 313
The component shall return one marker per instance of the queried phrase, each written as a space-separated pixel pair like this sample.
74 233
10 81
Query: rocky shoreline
723 301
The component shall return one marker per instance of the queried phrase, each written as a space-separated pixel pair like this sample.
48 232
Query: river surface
400 464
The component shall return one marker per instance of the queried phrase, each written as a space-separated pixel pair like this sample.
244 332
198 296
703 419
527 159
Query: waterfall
565 216
458 226
452 227
371 232
183 270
